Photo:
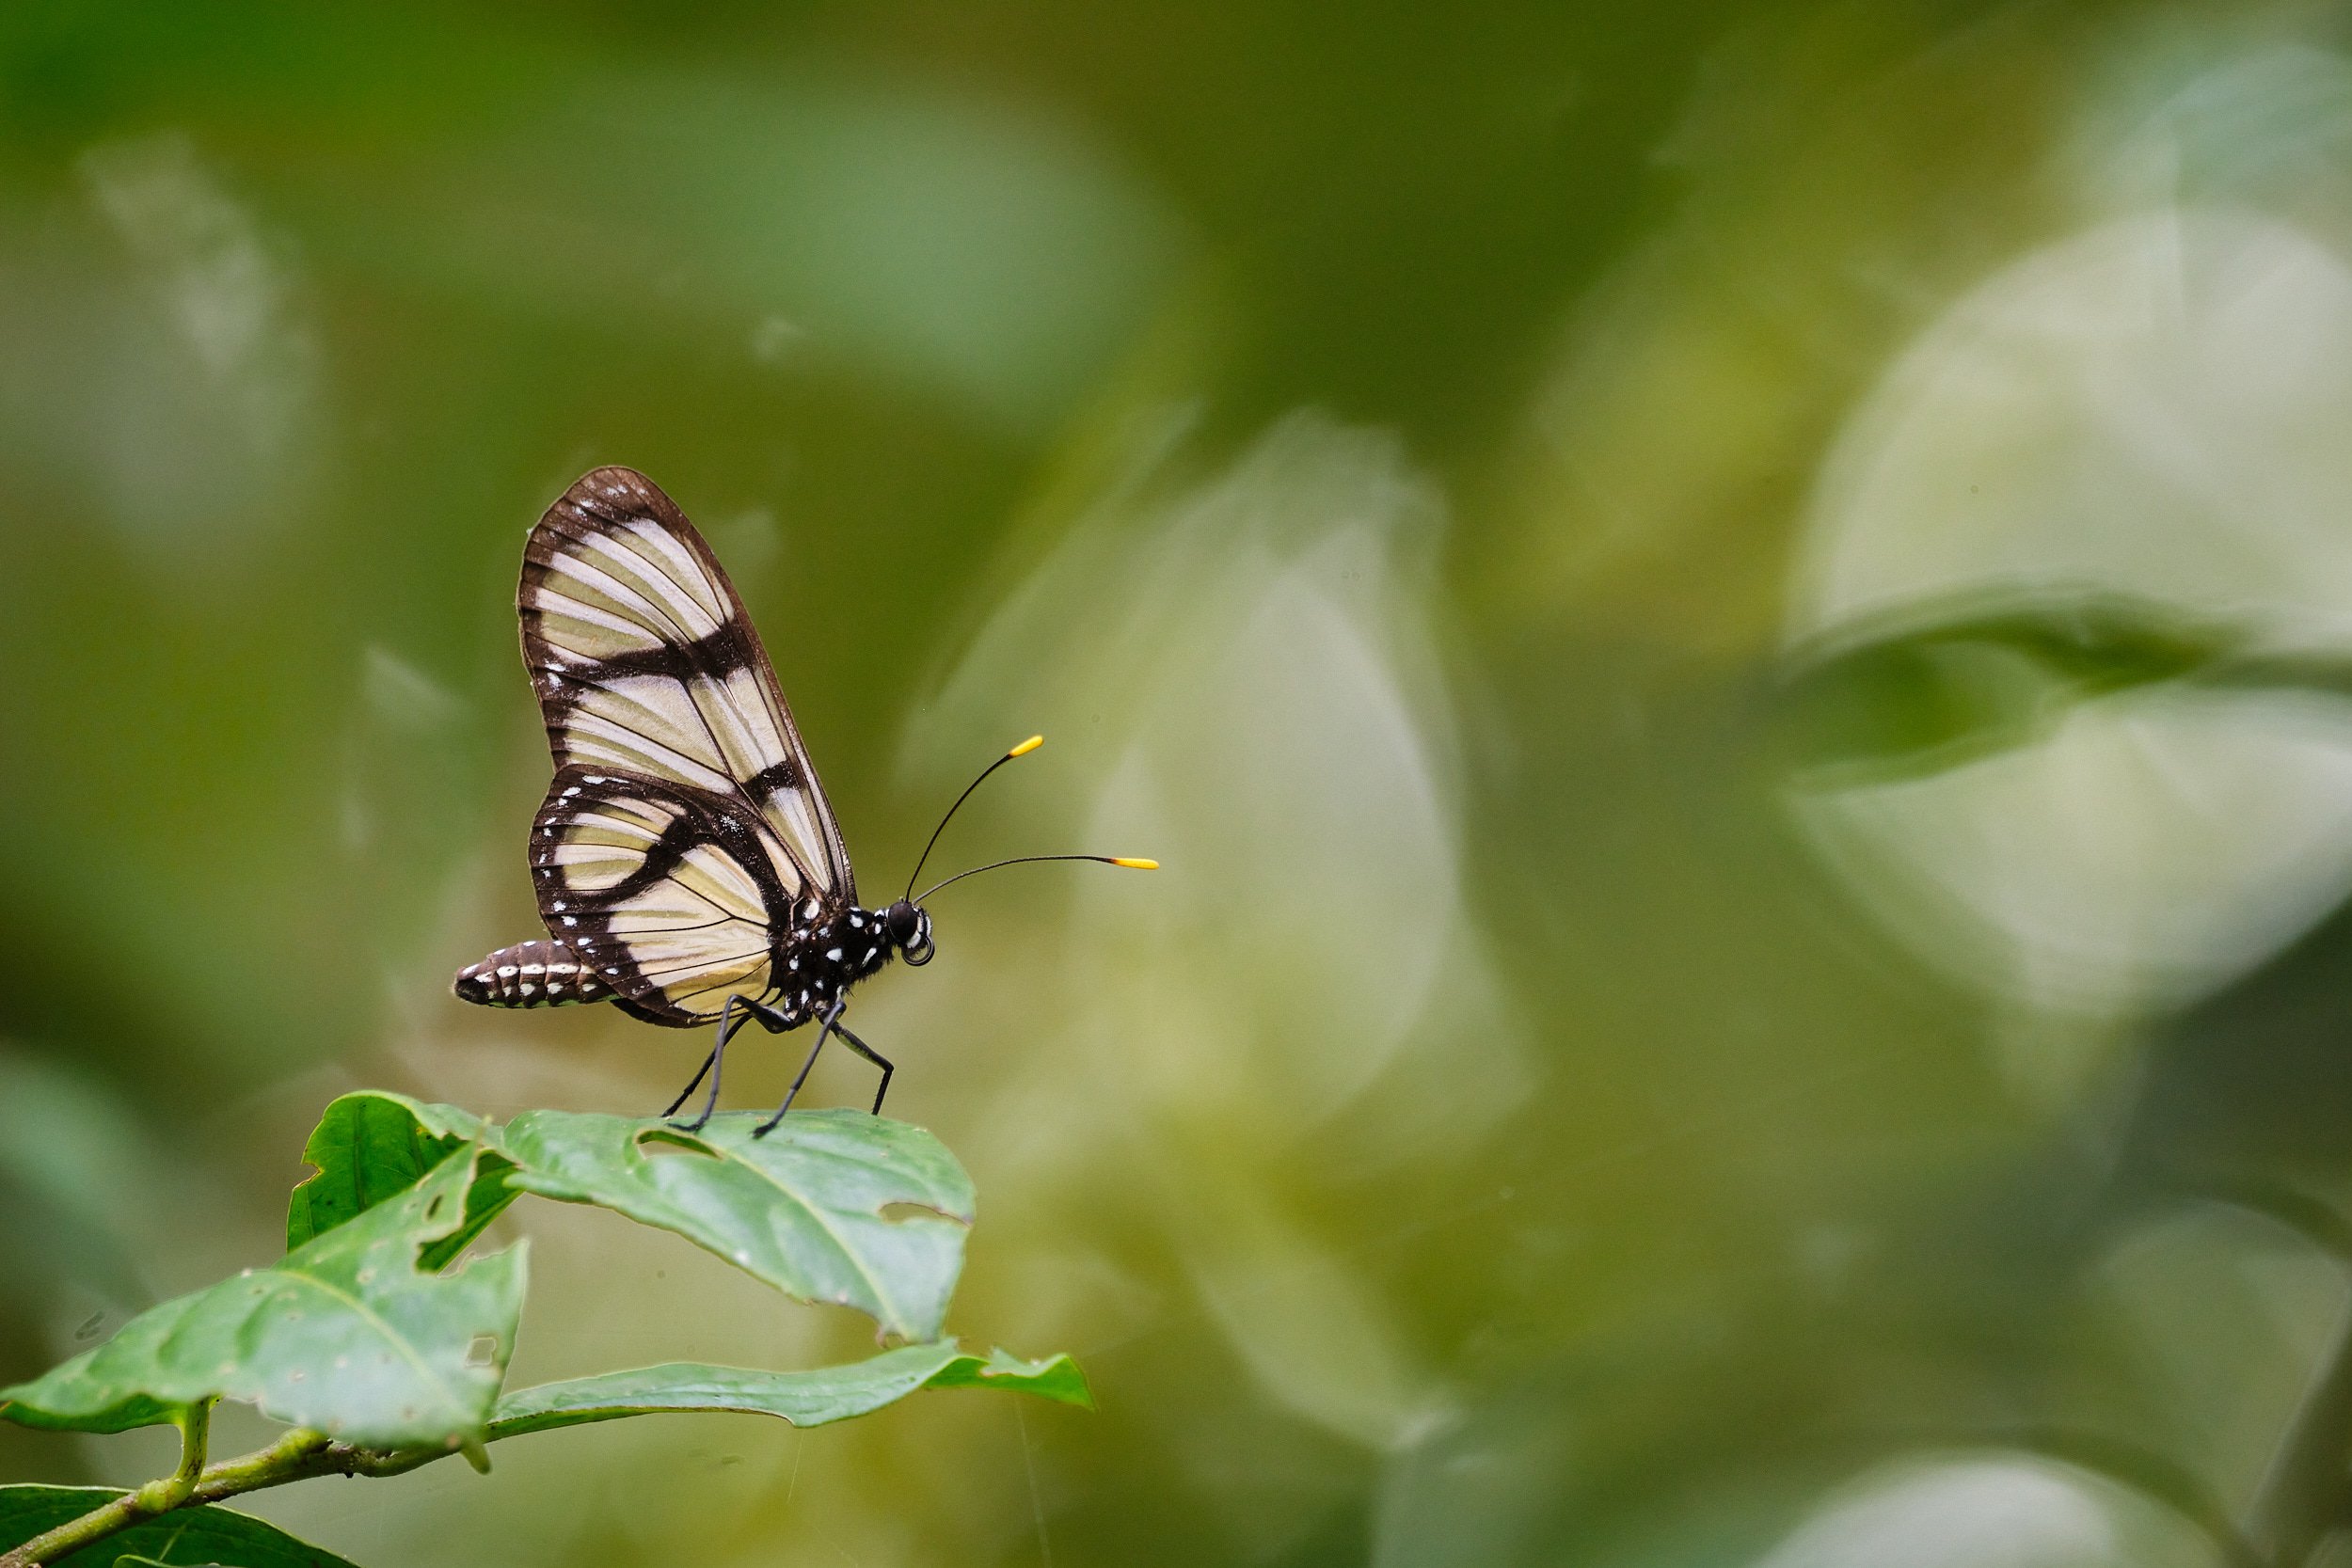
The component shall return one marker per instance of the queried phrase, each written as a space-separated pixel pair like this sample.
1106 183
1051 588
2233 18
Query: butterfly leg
871 1055
692 1084
729 1023
789 1095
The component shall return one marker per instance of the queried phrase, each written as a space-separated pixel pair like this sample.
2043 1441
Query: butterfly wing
668 894
646 664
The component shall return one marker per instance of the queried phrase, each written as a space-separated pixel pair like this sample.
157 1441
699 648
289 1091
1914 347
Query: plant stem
157 1496
299 1455
289 1458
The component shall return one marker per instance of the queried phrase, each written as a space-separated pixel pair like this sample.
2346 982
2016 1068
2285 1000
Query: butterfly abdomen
530 975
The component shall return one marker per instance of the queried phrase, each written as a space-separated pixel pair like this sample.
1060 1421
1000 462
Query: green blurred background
1541 1114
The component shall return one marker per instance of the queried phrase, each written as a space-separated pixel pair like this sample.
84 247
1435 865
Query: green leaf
1056 1378
805 1399
809 1208
372 1146
183 1538
346 1335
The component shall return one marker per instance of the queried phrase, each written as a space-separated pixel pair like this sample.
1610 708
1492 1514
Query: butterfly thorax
815 964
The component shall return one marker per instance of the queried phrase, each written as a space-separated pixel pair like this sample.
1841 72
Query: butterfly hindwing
646 665
667 891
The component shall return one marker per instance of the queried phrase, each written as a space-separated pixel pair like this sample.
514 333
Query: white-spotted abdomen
530 975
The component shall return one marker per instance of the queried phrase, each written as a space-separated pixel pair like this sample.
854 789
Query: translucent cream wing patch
664 892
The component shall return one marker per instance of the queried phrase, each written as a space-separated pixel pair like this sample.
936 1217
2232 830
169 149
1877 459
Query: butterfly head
909 928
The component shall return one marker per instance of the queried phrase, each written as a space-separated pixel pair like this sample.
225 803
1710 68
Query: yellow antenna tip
1134 865
1027 747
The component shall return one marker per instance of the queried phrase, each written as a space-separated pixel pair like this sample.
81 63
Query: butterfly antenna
1021 751
1132 862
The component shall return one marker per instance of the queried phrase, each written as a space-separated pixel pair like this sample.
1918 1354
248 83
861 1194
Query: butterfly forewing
646 665
664 890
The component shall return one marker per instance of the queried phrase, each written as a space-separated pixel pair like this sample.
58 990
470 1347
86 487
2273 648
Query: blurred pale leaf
1470 1486
1991 1510
205 428
2228 1311
185 1538
84 1168
346 1335
808 1208
803 1399
1246 655
2147 409
1310 1324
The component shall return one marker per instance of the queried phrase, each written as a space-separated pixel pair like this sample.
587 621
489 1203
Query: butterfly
687 863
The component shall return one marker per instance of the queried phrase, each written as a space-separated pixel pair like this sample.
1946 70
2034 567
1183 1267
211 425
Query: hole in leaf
654 1140
433 1210
897 1214
482 1351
